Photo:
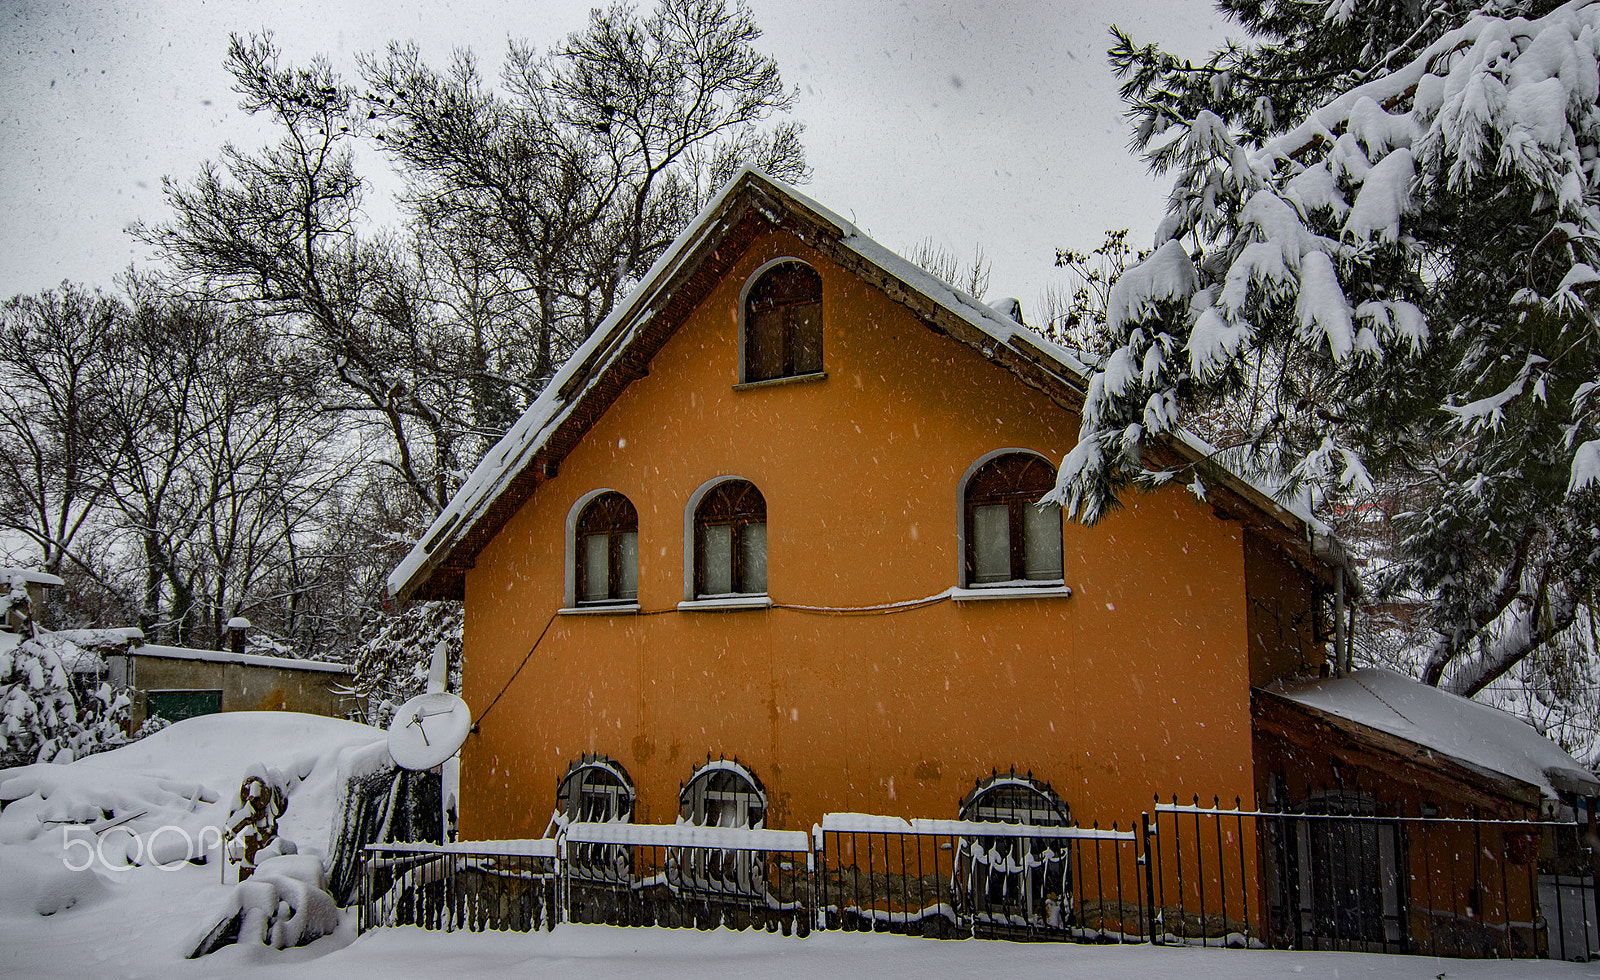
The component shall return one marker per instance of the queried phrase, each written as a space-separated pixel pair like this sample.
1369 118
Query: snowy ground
120 921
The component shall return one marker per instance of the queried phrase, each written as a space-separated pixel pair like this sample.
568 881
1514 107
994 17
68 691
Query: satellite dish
428 729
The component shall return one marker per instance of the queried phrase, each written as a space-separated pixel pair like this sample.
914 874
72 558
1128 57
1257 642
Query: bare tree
571 182
971 277
54 362
274 233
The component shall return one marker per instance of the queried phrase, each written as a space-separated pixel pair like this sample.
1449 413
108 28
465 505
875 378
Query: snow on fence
476 886
1315 878
950 878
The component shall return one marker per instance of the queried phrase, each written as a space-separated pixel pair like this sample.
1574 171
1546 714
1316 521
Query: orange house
768 547
780 508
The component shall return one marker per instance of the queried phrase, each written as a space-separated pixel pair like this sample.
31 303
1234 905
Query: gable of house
862 679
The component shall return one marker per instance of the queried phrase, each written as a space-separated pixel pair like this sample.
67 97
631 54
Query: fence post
1147 833
560 892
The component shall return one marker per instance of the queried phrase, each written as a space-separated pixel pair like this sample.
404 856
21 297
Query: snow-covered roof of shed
605 348
1460 728
32 577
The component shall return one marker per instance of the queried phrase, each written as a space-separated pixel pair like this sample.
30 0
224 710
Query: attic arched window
1012 877
1010 538
730 541
606 552
783 323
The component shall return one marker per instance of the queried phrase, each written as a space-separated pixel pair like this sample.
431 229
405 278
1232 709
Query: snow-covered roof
1476 734
9 572
995 334
228 657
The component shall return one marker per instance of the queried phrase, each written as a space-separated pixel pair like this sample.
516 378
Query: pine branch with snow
1415 252
392 660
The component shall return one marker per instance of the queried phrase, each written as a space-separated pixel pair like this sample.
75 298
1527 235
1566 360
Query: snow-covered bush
42 717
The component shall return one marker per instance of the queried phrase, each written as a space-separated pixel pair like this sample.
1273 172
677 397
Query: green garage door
178 705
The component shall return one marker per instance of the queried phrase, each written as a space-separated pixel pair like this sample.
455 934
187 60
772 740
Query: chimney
236 627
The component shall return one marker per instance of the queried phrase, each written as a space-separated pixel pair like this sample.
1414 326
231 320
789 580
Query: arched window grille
721 794
597 790
1015 880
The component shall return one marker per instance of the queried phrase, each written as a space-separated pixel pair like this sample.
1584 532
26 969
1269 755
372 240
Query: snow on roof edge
228 657
32 577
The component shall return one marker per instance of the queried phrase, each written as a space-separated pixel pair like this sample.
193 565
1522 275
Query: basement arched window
721 794
596 790
1016 877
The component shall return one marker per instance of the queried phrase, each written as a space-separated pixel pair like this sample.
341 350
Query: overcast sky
973 124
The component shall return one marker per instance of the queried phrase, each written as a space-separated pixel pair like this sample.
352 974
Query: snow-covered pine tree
392 660
42 718
1392 224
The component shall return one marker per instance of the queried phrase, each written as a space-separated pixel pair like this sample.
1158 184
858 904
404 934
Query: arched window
1016 878
730 546
1011 538
596 790
606 552
783 323
721 794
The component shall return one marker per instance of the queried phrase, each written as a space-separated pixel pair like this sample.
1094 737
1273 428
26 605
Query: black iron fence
681 875
1320 877
949 878
1335 874
476 886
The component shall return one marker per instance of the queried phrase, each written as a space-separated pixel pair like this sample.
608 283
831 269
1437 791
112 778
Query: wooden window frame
1018 480
785 332
612 514
736 504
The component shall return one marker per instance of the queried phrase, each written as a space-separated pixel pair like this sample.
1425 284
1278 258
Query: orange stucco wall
1137 683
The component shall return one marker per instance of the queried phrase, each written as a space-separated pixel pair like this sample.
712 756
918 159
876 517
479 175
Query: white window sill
785 380
616 609
1054 590
725 602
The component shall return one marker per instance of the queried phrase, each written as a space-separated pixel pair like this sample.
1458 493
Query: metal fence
1320 877
1327 876
681 875
476 886
949 878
